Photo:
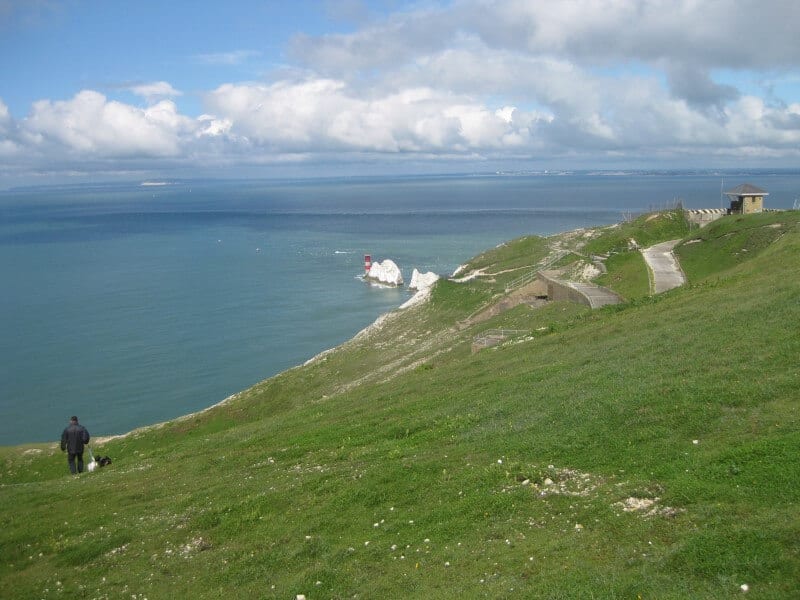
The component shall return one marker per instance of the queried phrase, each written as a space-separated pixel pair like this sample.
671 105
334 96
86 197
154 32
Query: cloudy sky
92 89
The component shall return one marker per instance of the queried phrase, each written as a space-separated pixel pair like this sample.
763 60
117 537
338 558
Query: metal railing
522 281
531 275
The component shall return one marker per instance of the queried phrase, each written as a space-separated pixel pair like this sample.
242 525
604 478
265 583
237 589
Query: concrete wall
579 292
537 288
558 291
704 216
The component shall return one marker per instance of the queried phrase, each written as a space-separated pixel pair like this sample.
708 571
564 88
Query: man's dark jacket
74 437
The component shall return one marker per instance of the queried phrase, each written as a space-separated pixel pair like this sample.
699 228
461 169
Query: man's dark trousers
71 460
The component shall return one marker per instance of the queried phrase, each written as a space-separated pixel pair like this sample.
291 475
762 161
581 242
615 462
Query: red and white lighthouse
367 264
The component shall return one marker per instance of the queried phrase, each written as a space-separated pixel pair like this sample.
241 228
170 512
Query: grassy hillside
646 450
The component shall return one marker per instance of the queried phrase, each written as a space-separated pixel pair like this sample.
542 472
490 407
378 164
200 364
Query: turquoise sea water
129 305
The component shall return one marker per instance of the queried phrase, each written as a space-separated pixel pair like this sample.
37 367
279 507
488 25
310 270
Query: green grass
516 254
645 230
404 465
732 240
627 275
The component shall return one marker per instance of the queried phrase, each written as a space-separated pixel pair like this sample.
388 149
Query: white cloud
155 90
5 116
234 57
685 38
8 147
211 126
91 124
15 142
738 34
27 12
564 59
324 114
753 122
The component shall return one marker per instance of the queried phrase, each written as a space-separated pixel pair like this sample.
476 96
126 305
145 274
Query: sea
129 304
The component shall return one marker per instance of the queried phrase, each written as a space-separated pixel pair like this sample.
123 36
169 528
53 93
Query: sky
93 90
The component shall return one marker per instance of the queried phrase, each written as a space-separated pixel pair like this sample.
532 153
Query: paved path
666 271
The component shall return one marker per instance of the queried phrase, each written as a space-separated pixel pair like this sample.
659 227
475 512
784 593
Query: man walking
72 440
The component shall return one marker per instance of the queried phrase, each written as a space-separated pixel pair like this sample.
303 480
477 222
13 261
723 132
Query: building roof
746 190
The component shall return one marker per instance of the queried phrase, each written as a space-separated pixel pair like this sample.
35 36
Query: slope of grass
732 240
643 450
517 254
645 230
627 275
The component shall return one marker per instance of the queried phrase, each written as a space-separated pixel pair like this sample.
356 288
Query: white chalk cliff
421 281
386 272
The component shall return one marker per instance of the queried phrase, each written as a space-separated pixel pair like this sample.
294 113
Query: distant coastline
77 182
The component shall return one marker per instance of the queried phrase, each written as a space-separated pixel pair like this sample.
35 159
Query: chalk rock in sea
421 281
386 272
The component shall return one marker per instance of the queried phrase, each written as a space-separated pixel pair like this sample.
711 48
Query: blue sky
56 49
97 90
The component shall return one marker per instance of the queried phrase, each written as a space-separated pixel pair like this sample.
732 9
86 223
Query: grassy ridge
648 449
732 241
